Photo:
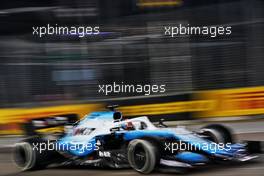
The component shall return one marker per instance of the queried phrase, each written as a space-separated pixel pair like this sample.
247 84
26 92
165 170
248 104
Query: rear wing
34 126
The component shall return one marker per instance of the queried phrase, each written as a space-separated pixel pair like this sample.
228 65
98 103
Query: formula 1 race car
106 139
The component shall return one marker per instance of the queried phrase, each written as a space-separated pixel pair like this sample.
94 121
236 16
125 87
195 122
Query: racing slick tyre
142 155
218 133
28 157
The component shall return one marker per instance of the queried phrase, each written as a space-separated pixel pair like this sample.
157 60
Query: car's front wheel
143 155
218 133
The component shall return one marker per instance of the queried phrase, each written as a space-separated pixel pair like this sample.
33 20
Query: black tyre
142 155
218 133
26 157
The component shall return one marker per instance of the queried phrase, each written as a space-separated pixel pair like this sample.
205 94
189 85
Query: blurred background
206 78
133 48
202 73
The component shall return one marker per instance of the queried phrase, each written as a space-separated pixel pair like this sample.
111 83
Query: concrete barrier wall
232 102
203 104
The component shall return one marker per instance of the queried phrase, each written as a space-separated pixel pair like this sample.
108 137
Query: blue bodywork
76 146
194 141
79 146
88 146
191 157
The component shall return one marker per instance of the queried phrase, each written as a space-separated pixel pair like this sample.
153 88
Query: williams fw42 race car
105 139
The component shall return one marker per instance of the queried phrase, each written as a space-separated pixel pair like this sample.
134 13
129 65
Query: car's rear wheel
27 156
24 156
142 155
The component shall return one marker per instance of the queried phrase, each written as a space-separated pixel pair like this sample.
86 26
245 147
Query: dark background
57 69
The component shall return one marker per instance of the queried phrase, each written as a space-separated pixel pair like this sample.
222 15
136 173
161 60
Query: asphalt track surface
246 132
